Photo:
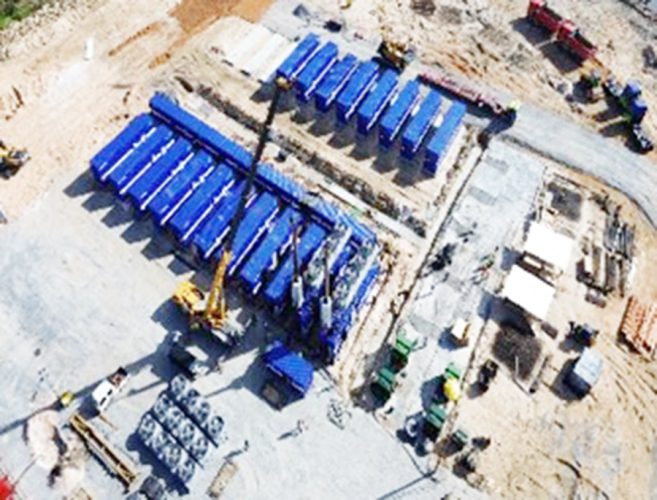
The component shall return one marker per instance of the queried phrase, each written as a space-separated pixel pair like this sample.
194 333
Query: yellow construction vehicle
210 313
395 53
12 159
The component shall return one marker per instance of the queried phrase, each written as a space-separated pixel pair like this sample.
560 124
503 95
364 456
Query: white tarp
549 246
529 292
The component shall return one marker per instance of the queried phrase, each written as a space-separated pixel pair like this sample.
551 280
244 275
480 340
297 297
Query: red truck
565 30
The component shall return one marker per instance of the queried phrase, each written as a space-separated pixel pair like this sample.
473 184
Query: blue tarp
356 90
373 106
148 184
297 60
334 82
103 162
314 72
180 187
397 113
441 140
290 366
269 249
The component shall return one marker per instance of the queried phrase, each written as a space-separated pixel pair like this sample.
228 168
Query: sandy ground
548 444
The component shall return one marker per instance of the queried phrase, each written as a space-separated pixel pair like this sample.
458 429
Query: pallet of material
639 327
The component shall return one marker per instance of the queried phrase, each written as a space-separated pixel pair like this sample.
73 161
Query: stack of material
639 326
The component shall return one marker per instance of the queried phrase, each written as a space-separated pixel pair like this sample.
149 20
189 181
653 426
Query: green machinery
385 382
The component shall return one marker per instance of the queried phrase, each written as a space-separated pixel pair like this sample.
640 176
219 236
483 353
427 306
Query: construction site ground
86 287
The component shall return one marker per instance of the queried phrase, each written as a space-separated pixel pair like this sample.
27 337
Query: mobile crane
209 312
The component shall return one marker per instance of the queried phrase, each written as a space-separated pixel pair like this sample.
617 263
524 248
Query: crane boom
215 309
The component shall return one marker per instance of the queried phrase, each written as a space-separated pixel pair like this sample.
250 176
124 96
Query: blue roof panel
440 141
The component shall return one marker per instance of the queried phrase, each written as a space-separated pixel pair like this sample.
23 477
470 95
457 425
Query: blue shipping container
334 82
103 162
356 89
373 106
278 288
150 182
253 225
440 141
180 187
314 72
299 57
265 255
141 156
419 125
194 211
397 113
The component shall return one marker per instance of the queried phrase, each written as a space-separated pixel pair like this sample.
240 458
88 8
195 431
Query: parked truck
104 392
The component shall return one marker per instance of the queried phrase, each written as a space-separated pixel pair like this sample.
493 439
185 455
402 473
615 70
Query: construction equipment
99 446
209 313
591 84
460 439
188 363
565 30
384 384
448 386
401 351
396 54
434 421
11 160
65 399
103 394
584 335
487 374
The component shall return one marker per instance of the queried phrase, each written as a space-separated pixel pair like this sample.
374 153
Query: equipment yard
282 249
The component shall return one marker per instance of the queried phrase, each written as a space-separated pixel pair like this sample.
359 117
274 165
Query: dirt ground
491 42
547 443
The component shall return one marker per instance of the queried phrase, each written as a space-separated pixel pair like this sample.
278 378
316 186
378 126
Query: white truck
103 394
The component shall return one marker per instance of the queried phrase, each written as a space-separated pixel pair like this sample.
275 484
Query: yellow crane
211 314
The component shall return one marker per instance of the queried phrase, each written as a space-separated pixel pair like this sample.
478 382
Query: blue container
439 143
197 207
266 254
638 110
631 91
103 162
299 57
314 72
144 154
334 82
180 187
276 292
253 226
356 90
151 181
373 106
211 234
397 113
419 125
272 180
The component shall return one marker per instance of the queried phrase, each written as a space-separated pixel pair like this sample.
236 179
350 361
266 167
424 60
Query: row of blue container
361 88
189 178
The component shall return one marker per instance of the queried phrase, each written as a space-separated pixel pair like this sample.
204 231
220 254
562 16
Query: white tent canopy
549 246
529 292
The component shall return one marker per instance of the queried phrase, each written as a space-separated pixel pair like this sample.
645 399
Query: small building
585 372
547 250
528 292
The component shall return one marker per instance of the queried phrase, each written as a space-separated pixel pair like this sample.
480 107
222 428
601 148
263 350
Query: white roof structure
549 246
529 292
